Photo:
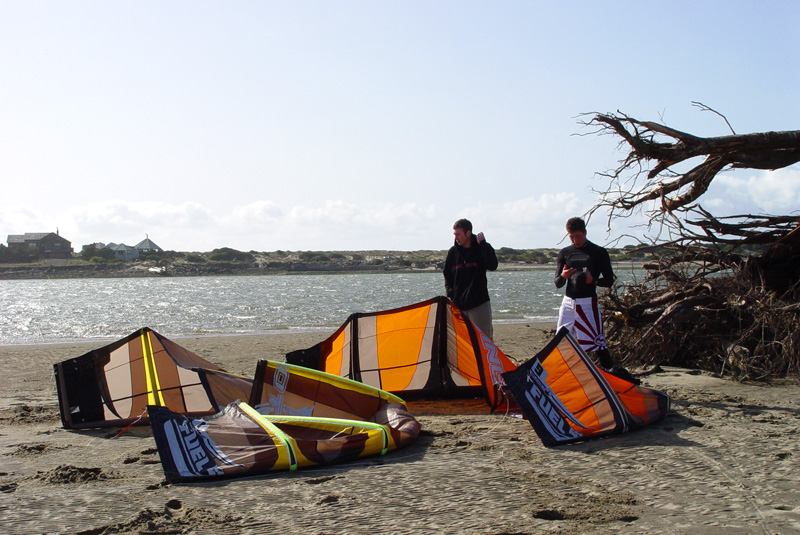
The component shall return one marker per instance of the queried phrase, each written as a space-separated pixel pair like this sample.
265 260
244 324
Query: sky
359 125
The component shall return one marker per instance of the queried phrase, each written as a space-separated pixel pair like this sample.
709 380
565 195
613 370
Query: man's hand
568 272
479 237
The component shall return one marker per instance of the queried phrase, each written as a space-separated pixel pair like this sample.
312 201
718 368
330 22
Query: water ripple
67 310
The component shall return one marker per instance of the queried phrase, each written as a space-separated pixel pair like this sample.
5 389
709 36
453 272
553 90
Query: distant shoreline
150 269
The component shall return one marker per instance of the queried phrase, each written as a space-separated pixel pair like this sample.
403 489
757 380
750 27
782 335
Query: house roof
147 245
33 236
30 236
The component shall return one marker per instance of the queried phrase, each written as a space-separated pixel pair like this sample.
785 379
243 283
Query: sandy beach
724 461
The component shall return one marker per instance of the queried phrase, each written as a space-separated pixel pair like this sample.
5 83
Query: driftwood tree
721 293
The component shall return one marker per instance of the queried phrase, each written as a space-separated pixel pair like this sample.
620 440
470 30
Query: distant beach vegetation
92 261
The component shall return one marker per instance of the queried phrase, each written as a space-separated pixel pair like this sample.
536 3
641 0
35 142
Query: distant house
126 253
148 246
123 252
46 244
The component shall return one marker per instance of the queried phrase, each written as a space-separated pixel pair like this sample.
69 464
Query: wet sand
726 460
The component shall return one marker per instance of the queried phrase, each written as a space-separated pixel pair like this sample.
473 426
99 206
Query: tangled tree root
726 322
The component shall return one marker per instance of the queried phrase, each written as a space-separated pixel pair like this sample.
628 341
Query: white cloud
265 225
337 224
127 222
15 218
260 225
772 192
257 214
536 221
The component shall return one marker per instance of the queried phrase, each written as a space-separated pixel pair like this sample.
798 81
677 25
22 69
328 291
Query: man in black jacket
465 275
583 266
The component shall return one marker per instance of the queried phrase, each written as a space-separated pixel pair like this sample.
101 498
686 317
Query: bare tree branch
706 108
676 190
720 293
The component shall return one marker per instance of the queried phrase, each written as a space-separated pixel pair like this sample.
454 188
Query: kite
427 350
567 398
296 418
112 385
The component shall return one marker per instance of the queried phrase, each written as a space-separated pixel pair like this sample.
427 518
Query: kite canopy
282 388
425 350
567 398
112 385
296 418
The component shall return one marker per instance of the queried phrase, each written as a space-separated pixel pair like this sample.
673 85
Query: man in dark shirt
465 275
583 266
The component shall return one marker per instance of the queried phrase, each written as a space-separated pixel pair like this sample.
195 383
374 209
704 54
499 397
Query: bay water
73 310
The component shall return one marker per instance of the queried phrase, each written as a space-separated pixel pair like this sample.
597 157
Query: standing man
583 266
465 275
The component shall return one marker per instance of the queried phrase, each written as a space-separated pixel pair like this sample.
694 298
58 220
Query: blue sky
367 125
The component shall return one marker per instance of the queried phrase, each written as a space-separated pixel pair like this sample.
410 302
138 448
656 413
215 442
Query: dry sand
725 460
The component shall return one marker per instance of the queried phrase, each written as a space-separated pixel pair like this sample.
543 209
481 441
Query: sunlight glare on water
66 310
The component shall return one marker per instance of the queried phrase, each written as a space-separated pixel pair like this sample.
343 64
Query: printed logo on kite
496 368
552 412
191 454
276 403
